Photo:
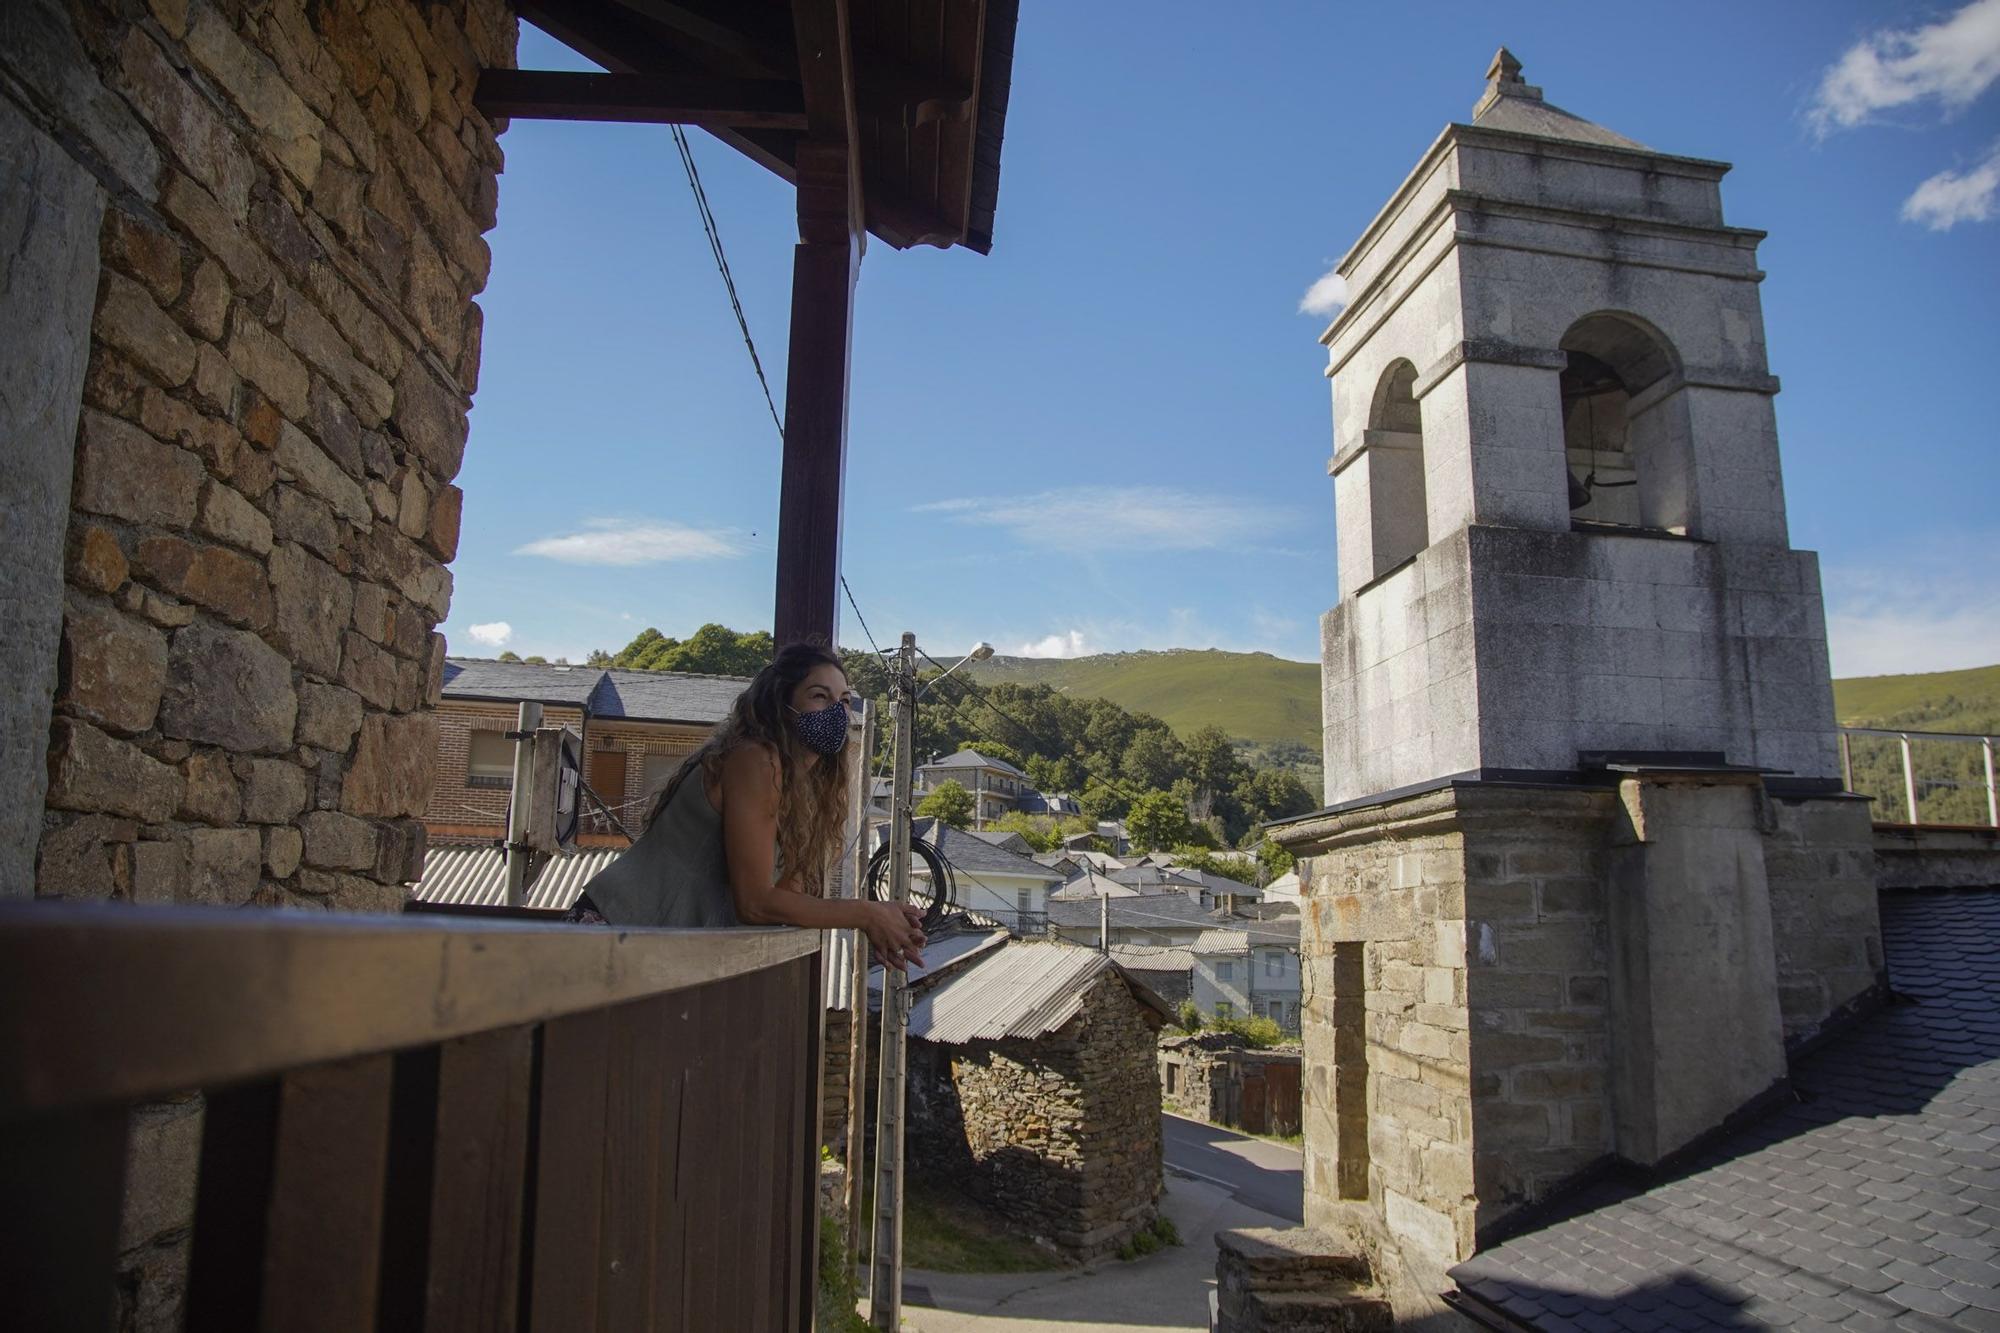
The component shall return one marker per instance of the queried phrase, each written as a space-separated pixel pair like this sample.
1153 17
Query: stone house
1214 1076
636 727
996 785
1032 1084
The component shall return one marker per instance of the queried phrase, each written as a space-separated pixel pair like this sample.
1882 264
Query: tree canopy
949 803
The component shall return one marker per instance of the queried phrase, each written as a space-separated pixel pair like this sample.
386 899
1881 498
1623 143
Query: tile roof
638 696
1872 1203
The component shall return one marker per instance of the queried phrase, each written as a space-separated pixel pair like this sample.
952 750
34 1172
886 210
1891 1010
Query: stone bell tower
1585 868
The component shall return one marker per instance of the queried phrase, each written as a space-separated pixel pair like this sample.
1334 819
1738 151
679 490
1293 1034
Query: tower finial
1503 79
1505 68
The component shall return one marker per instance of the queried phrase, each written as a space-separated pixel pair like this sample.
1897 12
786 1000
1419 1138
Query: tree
1041 831
537 659
1275 860
598 658
1157 821
1274 793
509 657
949 803
1211 760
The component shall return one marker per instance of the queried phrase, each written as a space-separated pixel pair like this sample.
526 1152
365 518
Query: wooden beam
652 99
723 37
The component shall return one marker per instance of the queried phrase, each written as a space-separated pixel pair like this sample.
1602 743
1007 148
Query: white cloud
1951 61
611 541
1326 296
493 635
1952 197
1069 644
1929 616
1118 518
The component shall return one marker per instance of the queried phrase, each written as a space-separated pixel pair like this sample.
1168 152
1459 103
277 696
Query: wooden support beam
652 99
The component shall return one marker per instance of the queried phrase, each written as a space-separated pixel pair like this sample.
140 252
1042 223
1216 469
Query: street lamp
980 652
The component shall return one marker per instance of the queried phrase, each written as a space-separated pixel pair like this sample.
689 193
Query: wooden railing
415 1124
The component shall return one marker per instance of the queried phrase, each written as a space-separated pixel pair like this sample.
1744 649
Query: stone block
126 473
311 467
298 517
143 251
78 857
283 850
228 517
368 671
113 667
334 841
96 563
328 716
204 307
441 531
273 790
185 121
159 871
285 123
209 793
218 231
393 766
431 419
130 320
401 859
259 357
234 586
314 602
163 1151
228 688
222 865
315 338
96 773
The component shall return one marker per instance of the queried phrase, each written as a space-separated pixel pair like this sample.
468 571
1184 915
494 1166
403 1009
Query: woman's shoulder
752 764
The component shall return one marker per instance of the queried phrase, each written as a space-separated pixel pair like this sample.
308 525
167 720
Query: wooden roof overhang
918 87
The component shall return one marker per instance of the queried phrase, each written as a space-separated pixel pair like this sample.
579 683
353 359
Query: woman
743 832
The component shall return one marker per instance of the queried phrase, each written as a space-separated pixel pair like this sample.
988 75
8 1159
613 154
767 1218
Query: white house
993 880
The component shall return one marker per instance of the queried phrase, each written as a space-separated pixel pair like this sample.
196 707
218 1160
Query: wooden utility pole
885 1272
525 723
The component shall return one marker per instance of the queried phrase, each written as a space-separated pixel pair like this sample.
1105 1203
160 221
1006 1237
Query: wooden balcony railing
415 1124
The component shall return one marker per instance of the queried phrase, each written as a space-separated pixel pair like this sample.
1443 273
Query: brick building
636 726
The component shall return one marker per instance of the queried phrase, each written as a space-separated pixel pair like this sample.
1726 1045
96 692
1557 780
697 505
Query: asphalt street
1269 1177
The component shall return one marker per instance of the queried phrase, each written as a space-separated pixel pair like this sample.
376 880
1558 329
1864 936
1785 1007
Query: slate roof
974 856
1152 911
637 696
972 759
1874 1203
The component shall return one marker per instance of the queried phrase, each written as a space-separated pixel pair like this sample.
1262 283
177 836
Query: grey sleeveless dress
675 874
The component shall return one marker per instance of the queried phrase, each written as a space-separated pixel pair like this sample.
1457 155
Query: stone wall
836 1060
1820 859
280 360
1204 1078
1061 1134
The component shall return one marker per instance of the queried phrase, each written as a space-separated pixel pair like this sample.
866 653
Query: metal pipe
1909 779
1992 796
1846 762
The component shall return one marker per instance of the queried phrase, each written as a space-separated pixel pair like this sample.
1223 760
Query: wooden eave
930 82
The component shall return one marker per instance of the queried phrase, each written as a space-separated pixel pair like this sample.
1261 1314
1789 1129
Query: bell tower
1561 519
1586 874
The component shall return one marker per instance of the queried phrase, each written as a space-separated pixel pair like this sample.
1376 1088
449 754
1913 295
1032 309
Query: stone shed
1032 1085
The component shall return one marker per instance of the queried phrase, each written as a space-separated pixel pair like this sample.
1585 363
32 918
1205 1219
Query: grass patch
946 1232
1155 1235
839 1291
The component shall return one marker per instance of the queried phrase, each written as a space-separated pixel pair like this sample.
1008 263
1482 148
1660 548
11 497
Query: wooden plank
231 1208
808 994
704 1186
478 1182
681 1151
322 1254
650 99
63 1179
566 1262
636 1135
157 1000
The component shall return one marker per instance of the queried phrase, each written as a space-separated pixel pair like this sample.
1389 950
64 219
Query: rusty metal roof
1026 989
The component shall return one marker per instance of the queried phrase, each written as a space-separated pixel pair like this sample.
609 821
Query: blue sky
1111 433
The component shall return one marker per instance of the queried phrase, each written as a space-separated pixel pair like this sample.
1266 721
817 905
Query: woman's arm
750 796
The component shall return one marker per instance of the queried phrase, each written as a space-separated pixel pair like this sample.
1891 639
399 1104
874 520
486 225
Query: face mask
823 729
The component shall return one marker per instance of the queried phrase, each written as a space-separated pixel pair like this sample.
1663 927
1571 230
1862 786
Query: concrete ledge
1936 858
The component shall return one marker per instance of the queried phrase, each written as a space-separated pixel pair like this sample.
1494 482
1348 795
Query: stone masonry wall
282 351
1819 857
1060 1134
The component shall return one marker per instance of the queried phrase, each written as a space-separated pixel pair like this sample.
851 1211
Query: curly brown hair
812 801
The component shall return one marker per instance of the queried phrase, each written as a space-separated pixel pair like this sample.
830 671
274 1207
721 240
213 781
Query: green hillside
1935 701
1951 777
1253 697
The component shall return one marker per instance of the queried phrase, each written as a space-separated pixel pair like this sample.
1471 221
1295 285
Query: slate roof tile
1873 1203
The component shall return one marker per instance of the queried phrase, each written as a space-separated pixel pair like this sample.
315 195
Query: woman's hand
897 933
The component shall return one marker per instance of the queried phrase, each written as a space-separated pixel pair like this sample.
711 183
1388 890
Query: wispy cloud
1929 615
493 634
1326 296
1952 197
613 541
1118 518
1950 62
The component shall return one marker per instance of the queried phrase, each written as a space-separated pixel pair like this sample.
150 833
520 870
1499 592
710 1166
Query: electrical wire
873 646
722 265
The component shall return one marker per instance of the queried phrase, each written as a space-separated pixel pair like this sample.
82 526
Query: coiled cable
944 882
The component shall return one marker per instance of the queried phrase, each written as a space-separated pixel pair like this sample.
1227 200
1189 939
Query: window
1225 971
1274 964
1024 901
1398 516
1628 469
489 760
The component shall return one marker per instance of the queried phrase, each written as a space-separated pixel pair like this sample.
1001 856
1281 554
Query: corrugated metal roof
1152 958
1026 989
1220 941
477 877
941 954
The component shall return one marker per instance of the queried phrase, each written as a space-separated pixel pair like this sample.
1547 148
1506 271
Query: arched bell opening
1624 426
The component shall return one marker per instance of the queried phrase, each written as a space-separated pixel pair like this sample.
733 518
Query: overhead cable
722 264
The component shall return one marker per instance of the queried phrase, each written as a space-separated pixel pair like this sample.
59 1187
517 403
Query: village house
1249 969
996 786
1033 1086
1007 885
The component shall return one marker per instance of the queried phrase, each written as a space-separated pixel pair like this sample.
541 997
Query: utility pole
857 1050
525 723
885 1273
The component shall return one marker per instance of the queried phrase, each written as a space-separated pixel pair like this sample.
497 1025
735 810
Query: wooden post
885 1277
857 1049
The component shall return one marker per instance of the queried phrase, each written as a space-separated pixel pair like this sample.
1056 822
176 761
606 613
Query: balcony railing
1933 778
475 1125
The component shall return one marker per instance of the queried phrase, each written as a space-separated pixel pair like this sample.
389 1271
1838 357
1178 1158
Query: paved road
1263 1175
